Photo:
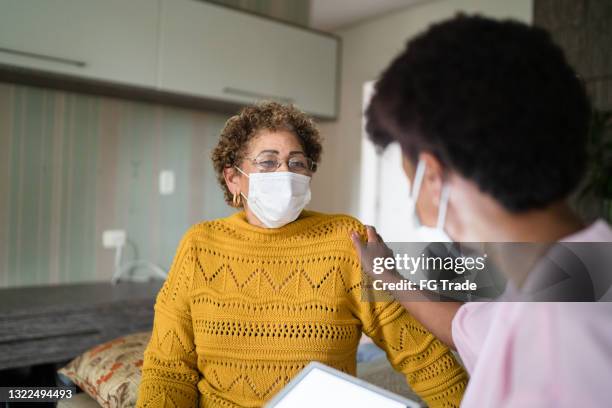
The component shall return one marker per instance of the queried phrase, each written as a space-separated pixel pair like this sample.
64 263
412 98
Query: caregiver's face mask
423 232
277 198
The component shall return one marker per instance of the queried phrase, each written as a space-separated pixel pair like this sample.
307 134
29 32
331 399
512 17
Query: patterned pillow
110 373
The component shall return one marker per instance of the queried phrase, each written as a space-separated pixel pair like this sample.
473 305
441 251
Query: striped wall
72 166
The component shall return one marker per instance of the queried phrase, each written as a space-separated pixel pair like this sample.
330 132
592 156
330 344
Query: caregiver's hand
436 316
375 247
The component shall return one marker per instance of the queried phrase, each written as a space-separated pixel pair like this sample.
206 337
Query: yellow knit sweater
244 309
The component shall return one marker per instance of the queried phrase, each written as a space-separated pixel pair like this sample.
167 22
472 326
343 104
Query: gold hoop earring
236 200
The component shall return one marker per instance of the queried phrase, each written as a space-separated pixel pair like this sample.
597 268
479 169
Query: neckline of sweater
305 220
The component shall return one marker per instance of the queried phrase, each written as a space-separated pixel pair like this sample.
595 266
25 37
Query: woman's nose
283 167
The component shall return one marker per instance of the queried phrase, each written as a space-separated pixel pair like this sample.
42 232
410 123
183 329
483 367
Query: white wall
367 48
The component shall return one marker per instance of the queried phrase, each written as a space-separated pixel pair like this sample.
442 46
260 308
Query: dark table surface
58 296
49 324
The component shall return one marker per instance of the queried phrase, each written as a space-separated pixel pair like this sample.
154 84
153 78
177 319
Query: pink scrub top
553 354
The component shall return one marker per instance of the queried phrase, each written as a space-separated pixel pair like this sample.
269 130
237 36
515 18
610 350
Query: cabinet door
212 51
112 40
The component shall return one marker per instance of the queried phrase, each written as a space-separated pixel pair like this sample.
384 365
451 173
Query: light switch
113 238
166 182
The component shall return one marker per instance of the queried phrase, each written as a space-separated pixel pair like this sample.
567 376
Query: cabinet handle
51 58
242 92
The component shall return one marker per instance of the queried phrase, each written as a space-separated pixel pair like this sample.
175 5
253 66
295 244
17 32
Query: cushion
110 373
80 400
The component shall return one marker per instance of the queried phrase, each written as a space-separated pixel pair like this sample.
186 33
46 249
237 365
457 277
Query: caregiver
493 123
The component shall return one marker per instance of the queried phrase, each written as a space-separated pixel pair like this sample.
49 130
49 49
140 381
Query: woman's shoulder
206 226
202 230
334 223
335 220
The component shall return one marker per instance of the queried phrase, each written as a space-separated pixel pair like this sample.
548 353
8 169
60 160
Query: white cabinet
177 47
223 54
111 40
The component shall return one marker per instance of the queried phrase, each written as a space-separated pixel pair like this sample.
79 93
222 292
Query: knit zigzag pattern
244 309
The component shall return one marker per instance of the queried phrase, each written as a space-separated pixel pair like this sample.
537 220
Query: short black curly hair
495 101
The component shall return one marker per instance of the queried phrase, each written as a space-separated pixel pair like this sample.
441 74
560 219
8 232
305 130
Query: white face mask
423 232
277 198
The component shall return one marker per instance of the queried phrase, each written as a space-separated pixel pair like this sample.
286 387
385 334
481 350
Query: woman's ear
433 179
232 179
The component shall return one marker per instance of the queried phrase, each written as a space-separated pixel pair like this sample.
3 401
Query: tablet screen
321 387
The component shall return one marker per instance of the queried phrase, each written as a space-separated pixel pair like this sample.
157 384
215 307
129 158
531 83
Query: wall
583 29
74 165
366 49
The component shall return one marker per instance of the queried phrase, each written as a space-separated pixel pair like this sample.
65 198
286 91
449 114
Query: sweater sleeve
169 372
429 366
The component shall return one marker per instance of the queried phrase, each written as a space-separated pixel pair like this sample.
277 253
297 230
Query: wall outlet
113 238
166 182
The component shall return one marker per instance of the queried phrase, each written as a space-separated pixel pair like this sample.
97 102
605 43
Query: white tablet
321 386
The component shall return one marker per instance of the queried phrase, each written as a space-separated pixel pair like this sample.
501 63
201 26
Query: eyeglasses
268 162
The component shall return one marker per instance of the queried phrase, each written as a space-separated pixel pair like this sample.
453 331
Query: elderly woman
251 299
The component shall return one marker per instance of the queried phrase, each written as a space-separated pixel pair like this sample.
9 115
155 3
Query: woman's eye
267 163
299 165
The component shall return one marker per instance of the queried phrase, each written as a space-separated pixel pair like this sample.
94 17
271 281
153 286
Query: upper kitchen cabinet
211 51
109 40
186 52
